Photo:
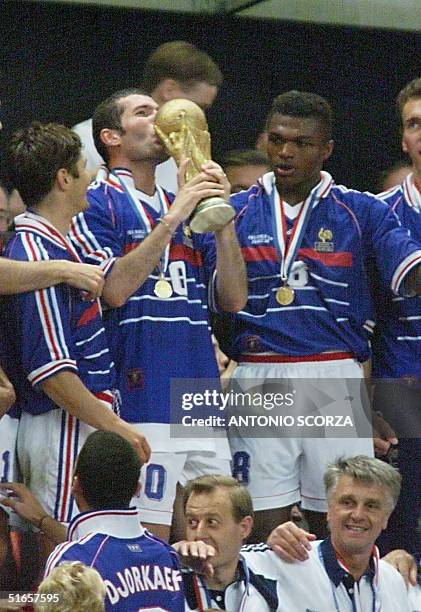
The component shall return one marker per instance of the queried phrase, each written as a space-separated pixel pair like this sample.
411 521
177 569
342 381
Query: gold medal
285 295
162 289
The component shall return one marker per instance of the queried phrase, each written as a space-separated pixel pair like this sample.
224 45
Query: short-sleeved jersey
347 233
52 330
152 339
397 337
140 571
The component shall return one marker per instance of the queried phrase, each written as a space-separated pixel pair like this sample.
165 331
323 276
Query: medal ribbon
121 176
288 247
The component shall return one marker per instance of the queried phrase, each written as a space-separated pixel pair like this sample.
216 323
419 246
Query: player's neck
143 173
356 563
56 213
223 576
297 193
417 176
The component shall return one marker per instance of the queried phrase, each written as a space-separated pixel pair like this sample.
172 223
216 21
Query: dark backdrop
59 61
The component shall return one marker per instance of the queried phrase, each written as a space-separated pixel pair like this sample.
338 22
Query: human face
296 150
243 177
201 93
210 519
78 186
138 141
357 513
411 137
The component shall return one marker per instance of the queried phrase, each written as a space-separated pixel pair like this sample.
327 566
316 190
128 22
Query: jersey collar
123 524
335 570
412 192
34 223
322 188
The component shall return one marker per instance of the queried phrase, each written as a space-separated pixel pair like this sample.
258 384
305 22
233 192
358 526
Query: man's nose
357 512
201 531
286 149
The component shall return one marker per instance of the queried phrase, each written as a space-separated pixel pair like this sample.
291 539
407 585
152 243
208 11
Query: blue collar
334 570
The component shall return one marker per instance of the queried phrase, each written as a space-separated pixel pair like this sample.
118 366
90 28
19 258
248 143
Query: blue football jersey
51 330
345 235
140 572
152 339
397 337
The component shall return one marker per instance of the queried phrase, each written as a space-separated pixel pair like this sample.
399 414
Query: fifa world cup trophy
181 126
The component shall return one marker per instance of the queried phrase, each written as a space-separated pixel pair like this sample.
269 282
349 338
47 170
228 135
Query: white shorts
282 471
160 476
48 445
8 464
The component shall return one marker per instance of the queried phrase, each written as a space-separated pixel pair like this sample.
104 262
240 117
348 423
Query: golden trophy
182 128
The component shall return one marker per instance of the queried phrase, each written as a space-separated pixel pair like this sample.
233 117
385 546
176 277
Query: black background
58 62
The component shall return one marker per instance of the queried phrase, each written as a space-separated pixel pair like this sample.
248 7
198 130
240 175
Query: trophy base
211 215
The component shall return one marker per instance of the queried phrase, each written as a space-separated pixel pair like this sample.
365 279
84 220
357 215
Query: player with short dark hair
108 115
308 245
58 356
160 278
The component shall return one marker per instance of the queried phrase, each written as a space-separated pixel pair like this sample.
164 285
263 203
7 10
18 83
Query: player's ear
75 486
404 146
328 148
138 489
63 179
246 525
110 138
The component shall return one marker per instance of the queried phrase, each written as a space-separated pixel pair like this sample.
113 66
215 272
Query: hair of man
36 153
72 587
242 504
108 470
410 91
366 470
244 157
304 105
108 114
183 62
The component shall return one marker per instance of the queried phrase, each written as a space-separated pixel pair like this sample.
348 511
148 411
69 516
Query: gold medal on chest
162 289
285 295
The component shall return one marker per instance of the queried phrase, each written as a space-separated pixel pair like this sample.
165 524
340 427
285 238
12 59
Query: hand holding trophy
182 128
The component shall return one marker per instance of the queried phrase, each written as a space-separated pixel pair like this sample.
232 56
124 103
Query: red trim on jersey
295 358
181 251
260 253
55 349
104 396
129 247
342 258
89 315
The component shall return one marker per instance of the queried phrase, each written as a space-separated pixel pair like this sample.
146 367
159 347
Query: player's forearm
231 279
67 391
130 271
51 528
20 276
